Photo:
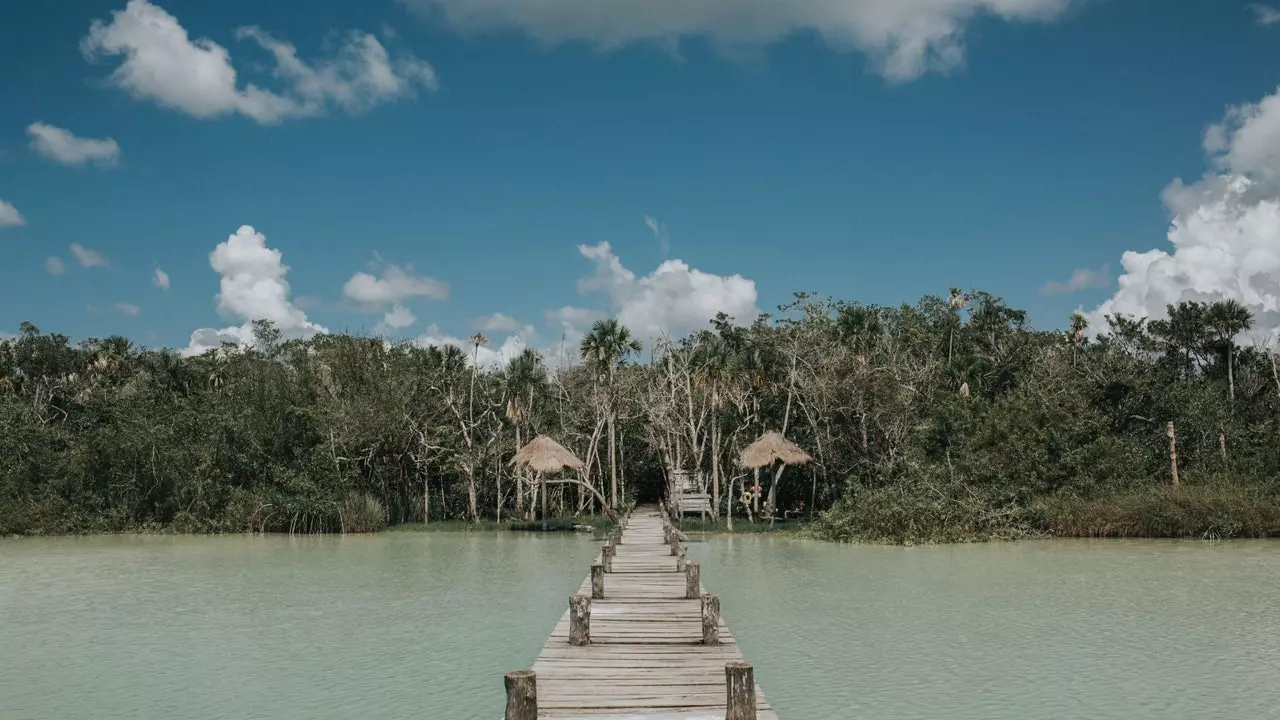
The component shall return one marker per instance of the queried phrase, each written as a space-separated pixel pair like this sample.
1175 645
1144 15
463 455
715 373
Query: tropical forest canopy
944 420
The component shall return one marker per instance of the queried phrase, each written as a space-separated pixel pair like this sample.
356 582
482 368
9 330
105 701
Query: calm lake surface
409 625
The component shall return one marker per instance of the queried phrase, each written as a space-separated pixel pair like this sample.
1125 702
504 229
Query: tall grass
363 513
1214 511
596 524
906 515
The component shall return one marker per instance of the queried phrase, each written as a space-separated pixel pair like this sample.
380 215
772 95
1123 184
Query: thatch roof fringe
545 455
771 447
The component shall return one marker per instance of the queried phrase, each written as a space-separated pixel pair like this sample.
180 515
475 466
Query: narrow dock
641 639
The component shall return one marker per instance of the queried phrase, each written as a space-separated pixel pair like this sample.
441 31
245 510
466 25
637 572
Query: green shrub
909 513
1217 510
362 513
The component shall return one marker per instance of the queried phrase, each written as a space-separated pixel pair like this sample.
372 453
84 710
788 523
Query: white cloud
573 322
660 233
88 258
160 279
253 287
397 318
394 286
9 216
63 146
486 356
499 322
163 64
1225 231
903 38
1265 14
674 298
503 323
1082 279
54 266
1247 141
362 75
128 309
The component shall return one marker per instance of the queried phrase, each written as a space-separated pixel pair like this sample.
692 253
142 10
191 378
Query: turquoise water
1143 630
424 625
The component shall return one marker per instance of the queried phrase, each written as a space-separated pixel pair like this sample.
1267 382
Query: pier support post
606 558
522 695
675 546
692 581
740 689
580 620
680 561
597 581
710 619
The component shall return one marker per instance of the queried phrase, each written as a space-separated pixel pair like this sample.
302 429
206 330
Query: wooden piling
580 620
606 557
522 695
692 581
597 581
740 691
710 619
675 547
680 561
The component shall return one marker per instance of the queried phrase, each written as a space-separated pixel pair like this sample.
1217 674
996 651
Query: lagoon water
422 625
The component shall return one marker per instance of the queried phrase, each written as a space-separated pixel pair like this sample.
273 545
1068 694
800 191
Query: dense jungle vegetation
950 419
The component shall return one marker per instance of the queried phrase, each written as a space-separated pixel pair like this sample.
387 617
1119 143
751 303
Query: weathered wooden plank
645 658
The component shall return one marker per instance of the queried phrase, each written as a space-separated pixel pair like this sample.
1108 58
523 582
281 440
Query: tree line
948 419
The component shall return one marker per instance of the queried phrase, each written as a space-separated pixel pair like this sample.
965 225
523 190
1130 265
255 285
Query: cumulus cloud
574 319
1265 14
54 265
63 146
1224 232
160 279
397 318
395 285
503 323
674 298
903 38
252 287
88 258
129 309
160 62
1082 279
362 76
486 356
9 216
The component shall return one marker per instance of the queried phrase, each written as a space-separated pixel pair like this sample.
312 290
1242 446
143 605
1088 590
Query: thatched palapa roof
545 455
772 447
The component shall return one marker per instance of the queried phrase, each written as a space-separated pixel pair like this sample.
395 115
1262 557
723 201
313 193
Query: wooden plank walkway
646 658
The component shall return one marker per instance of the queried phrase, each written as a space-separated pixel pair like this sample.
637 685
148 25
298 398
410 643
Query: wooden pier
641 639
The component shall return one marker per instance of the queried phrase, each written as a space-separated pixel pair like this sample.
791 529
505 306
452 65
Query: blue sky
460 152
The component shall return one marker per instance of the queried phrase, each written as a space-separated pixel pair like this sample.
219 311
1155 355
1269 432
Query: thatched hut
768 449
544 455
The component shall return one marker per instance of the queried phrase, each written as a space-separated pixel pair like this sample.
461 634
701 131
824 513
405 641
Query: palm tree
717 361
1228 319
525 380
607 345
